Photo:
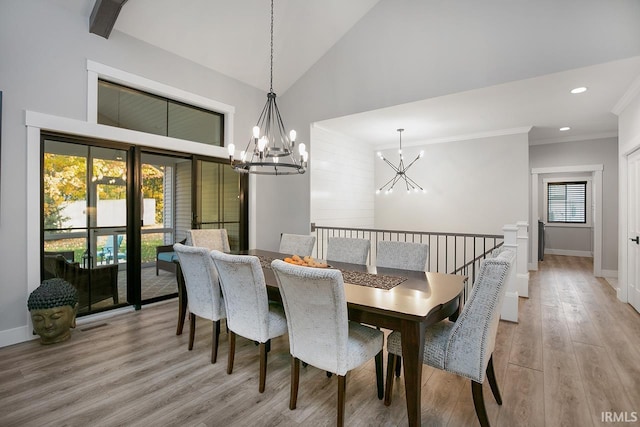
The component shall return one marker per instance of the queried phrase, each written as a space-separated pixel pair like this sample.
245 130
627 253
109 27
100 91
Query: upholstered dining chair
297 244
210 238
465 347
249 312
320 333
346 249
203 291
402 255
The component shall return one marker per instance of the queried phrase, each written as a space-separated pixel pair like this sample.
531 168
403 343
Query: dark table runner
361 278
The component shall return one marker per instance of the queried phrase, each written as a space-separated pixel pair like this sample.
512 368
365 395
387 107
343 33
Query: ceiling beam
104 15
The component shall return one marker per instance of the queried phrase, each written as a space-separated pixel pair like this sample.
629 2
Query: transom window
128 108
567 202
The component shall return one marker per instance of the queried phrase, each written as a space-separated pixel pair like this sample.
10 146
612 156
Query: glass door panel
218 200
166 216
84 221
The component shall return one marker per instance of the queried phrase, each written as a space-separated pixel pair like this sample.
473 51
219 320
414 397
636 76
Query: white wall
342 184
473 186
628 141
577 153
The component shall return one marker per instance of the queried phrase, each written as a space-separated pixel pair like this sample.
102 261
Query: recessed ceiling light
564 129
579 90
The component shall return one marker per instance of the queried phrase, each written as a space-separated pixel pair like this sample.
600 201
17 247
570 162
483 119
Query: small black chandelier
270 151
400 173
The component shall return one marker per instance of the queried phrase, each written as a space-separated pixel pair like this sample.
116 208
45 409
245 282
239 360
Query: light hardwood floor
574 354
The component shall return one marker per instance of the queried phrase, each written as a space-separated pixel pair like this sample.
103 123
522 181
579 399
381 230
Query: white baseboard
16 335
610 273
533 266
567 252
24 333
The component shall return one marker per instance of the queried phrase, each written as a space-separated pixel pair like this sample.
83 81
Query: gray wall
401 51
44 48
408 50
473 186
592 152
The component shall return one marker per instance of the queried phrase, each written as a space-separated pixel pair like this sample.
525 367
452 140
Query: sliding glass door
112 212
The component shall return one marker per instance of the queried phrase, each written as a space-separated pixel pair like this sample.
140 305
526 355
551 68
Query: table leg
412 353
182 299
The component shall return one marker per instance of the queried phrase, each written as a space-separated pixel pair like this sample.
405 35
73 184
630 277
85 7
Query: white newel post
510 304
522 272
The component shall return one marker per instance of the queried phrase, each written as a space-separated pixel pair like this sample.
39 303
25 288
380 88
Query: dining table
399 300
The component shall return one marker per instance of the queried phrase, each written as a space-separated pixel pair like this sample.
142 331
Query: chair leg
391 363
263 366
379 375
192 330
295 379
478 402
491 376
342 389
232 351
398 366
214 341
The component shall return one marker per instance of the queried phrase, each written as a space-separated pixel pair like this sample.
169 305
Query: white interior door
633 232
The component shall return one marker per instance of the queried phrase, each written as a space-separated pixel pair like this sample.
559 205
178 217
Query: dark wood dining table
419 301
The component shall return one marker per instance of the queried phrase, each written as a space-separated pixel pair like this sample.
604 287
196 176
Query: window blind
567 202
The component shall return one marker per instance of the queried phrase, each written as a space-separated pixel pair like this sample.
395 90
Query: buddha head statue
53 306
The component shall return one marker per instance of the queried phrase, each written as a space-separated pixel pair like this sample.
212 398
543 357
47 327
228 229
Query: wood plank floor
574 354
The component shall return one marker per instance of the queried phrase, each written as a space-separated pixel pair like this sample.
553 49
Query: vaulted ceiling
232 37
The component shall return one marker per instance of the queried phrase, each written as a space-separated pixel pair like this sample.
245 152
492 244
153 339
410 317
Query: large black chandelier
270 150
400 172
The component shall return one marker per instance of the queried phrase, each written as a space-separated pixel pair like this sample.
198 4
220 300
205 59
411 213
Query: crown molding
629 95
587 137
465 137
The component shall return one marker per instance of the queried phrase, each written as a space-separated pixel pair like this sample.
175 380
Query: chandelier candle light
270 150
401 172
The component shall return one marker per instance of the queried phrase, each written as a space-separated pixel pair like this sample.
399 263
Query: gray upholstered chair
249 312
402 255
209 238
203 291
320 333
466 347
346 249
296 244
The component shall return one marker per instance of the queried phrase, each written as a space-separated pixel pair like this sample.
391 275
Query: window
567 202
128 108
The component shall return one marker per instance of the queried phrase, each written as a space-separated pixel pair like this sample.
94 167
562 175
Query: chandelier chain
271 69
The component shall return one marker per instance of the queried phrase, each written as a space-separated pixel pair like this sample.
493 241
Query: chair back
245 294
316 309
472 338
345 249
209 238
201 281
402 255
297 244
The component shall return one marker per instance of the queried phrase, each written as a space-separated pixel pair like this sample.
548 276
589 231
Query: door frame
596 174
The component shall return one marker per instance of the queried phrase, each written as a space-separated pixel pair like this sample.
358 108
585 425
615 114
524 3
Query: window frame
588 201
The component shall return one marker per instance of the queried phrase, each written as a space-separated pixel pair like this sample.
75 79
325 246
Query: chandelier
400 172
270 150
